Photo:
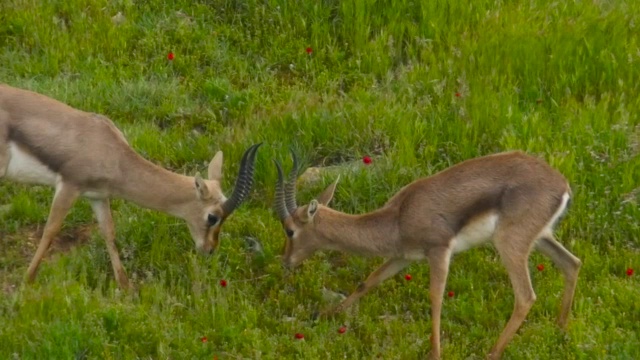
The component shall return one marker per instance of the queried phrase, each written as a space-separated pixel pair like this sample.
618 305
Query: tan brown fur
511 198
84 154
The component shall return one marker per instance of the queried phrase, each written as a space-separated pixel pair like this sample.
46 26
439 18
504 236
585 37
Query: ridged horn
279 204
244 182
290 187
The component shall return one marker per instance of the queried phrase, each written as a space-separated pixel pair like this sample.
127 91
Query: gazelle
510 198
43 141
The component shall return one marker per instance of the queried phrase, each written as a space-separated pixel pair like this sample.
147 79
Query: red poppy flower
458 94
170 56
223 283
299 336
407 277
309 51
450 294
342 329
366 160
540 267
204 339
629 271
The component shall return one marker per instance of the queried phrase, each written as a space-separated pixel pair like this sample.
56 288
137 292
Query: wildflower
223 283
342 329
407 277
629 272
204 339
366 160
170 56
299 336
450 294
309 51
540 267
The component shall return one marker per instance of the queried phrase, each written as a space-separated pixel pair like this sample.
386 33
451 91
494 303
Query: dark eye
212 219
289 232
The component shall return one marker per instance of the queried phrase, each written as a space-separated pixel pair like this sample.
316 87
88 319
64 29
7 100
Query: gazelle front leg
102 210
65 195
4 162
4 150
387 270
514 252
439 259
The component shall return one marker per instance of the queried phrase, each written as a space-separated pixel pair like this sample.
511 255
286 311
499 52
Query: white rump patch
548 229
478 231
25 168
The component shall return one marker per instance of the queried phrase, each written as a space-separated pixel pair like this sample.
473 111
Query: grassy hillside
416 85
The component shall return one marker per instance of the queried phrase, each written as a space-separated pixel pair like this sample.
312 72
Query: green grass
556 79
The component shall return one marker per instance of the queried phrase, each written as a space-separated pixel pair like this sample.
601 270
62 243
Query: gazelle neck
154 187
374 233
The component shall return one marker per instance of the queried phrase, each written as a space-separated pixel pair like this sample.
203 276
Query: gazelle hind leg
570 267
514 251
63 199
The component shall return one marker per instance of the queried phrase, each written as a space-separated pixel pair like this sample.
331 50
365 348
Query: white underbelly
478 231
25 168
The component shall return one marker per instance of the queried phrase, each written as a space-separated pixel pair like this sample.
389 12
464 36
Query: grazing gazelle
43 141
510 198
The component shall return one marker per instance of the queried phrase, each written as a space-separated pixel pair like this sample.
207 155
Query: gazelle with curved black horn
290 187
43 141
511 199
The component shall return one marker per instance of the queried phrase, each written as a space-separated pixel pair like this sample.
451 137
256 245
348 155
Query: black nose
206 250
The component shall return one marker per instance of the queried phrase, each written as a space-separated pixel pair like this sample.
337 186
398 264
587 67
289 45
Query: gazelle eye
212 219
289 232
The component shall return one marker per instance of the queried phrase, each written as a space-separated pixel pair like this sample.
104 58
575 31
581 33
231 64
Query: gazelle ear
202 191
215 167
325 197
312 210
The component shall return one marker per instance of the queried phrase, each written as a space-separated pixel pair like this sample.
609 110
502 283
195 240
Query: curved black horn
244 182
290 187
279 204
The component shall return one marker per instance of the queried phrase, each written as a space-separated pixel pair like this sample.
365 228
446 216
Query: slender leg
570 267
4 150
4 162
388 269
102 210
514 252
63 199
439 259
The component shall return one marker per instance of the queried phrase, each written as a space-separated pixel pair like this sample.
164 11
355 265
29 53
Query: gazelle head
212 207
299 223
